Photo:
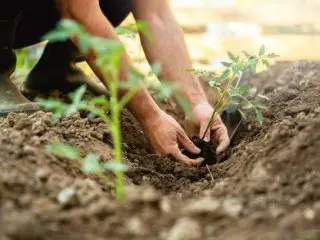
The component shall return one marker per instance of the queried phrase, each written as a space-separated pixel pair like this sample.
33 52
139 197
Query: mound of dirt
267 188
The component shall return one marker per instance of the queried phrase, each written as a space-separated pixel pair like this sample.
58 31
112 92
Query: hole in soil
208 151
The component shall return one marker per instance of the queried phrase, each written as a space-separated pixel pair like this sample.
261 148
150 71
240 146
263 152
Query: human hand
217 133
165 135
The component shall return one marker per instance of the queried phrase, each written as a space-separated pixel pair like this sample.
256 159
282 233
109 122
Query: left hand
217 133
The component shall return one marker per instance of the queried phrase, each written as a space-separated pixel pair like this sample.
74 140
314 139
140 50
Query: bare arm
89 14
168 47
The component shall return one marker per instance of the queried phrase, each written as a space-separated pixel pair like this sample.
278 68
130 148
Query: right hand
165 135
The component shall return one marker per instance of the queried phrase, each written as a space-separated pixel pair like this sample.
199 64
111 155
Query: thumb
224 142
187 143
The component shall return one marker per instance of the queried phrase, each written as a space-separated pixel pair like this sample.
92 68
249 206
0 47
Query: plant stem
116 137
218 105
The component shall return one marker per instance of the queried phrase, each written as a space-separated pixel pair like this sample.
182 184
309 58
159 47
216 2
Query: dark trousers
37 17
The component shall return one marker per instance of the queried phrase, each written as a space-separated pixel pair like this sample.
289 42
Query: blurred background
290 28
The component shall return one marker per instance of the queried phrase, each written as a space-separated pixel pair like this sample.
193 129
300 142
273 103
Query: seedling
108 54
90 163
232 96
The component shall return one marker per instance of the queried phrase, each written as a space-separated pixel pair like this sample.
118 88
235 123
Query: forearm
168 47
141 105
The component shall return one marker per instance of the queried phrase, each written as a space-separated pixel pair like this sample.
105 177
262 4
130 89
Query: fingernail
197 150
206 139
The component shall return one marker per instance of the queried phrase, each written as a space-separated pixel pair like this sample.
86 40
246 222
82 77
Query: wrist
194 92
143 107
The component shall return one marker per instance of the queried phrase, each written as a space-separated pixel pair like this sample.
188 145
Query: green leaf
231 56
226 73
103 45
259 115
58 35
252 91
115 166
126 31
242 90
70 25
135 77
100 100
142 27
77 95
65 29
184 105
262 50
51 103
253 65
91 164
166 90
213 83
57 106
85 43
247 105
272 55
265 62
156 68
226 64
64 151
218 90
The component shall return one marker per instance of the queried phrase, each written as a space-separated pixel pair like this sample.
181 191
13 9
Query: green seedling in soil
90 163
108 54
230 95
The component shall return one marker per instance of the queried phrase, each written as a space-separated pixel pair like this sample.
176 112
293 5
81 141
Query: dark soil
208 151
268 187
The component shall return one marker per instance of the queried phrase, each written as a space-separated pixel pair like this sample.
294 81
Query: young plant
228 91
90 163
108 108
108 54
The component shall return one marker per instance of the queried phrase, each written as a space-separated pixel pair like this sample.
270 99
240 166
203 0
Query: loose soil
267 187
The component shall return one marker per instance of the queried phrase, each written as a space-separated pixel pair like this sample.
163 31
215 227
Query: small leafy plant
108 54
108 108
229 93
90 163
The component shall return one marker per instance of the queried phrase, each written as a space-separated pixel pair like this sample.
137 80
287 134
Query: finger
204 130
187 143
191 128
176 153
224 141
